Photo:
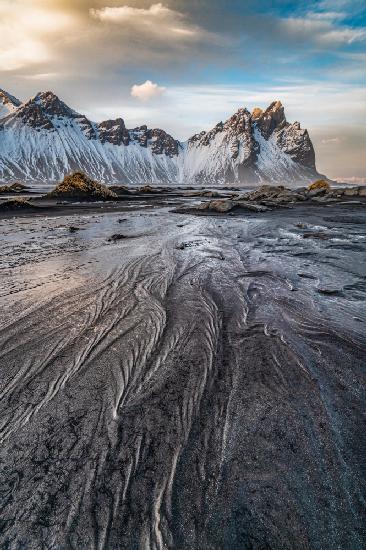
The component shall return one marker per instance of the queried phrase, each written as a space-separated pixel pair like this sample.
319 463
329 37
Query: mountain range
43 139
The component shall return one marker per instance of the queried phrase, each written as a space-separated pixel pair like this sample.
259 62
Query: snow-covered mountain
43 139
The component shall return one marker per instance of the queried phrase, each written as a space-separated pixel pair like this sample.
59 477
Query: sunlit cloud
147 91
26 33
157 20
121 14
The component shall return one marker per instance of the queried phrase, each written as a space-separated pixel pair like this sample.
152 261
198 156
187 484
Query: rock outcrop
80 187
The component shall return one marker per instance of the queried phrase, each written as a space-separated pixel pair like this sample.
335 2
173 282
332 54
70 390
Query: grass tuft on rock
78 186
319 184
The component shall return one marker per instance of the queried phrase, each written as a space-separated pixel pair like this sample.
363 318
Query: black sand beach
197 383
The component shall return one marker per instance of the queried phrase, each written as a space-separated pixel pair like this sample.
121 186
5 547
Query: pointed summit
52 105
8 103
273 118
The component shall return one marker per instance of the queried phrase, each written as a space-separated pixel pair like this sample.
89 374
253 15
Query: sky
184 65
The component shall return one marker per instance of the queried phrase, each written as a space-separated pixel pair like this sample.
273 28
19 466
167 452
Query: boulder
122 190
148 189
226 205
351 192
79 186
262 193
220 206
16 204
273 195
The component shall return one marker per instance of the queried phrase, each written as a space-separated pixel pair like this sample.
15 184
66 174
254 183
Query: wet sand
197 384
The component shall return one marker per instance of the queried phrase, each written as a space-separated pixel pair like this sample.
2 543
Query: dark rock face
114 131
160 142
31 113
53 106
46 111
273 118
297 143
291 139
237 131
87 127
163 143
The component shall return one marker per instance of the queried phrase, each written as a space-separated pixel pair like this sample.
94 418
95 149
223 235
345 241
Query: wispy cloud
331 140
157 20
327 15
321 31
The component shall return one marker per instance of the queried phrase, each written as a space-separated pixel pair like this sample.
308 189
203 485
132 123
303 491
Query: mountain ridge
43 139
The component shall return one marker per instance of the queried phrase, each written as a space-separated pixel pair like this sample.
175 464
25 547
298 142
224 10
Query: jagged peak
52 104
242 111
110 123
271 119
45 96
275 110
275 106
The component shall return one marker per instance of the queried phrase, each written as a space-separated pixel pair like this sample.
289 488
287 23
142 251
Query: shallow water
198 384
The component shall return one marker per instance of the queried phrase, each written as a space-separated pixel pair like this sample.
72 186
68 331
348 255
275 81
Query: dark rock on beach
16 204
270 196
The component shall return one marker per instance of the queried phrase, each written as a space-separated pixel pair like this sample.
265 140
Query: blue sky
186 64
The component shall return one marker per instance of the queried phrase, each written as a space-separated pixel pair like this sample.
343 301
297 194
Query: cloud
147 91
28 33
321 32
158 20
327 15
331 140
47 77
122 14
